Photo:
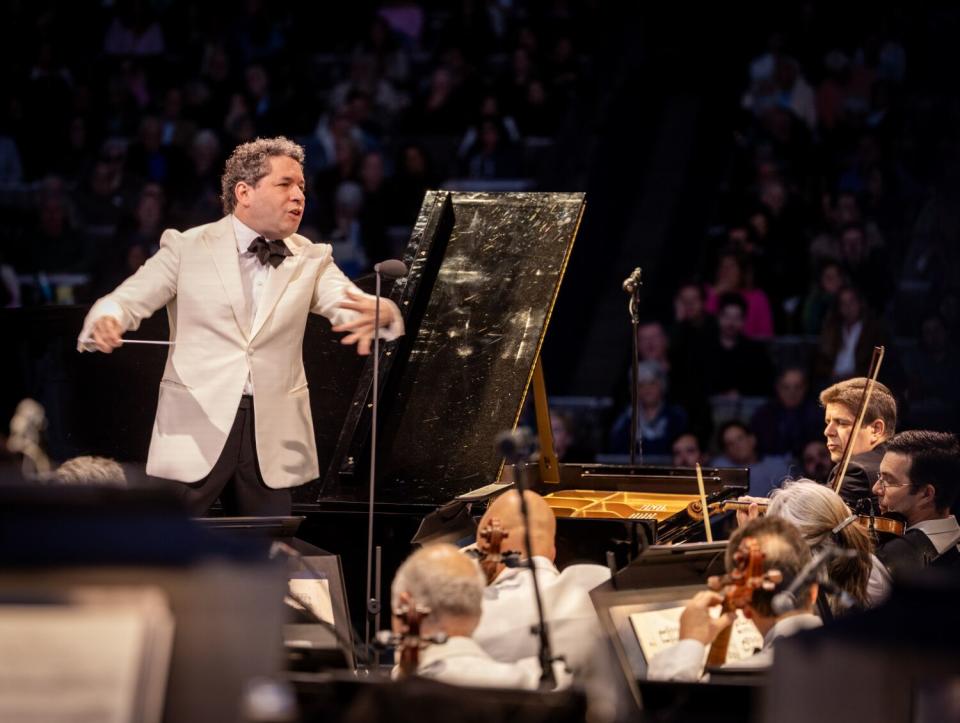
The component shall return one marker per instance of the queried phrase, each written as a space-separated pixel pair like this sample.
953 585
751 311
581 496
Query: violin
409 641
874 524
737 588
491 558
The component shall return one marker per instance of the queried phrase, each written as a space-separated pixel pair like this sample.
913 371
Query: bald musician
509 610
784 549
450 586
841 404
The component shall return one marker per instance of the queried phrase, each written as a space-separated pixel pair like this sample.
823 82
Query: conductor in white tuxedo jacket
233 418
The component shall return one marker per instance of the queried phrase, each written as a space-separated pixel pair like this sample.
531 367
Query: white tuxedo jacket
196 274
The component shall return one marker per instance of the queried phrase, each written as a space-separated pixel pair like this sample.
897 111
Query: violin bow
875 363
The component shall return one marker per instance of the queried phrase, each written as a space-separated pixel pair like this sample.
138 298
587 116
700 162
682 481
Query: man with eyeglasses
841 402
920 479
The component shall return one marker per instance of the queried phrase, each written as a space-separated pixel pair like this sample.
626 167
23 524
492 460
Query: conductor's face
274 206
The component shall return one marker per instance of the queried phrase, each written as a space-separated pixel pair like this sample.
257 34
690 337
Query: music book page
315 592
659 628
94 654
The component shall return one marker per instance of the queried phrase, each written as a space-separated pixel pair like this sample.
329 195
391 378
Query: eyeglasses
883 484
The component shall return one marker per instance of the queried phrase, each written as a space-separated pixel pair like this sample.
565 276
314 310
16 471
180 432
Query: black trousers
235 478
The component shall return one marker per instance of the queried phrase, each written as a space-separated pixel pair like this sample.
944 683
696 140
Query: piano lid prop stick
703 501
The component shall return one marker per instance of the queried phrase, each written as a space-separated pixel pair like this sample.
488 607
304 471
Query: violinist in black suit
920 479
841 402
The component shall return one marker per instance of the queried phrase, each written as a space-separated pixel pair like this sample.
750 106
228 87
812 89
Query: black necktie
268 252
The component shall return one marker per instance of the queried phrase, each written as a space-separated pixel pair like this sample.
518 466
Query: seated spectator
414 177
652 343
88 470
659 423
867 267
739 447
733 365
694 330
784 424
732 277
822 297
373 214
493 155
932 372
687 452
565 443
346 236
815 461
848 338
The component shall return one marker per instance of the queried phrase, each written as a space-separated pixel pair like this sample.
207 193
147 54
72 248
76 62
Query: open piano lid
485 270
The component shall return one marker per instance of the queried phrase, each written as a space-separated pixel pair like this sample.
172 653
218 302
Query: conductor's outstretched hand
106 334
361 328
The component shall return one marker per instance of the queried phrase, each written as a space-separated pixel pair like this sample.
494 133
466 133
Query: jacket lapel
277 281
223 247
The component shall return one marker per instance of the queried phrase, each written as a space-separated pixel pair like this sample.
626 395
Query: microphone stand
392 269
514 455
632 287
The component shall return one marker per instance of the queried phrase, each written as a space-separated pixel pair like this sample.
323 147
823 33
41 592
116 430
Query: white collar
790 625
457 646
541 563
945 524
244 234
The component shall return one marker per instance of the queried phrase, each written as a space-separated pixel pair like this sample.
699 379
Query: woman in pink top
732 275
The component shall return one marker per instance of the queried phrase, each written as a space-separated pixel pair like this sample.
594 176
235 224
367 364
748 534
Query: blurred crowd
116 120
833 233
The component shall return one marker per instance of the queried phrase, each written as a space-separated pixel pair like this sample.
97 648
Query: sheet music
94 654
315 592
659 628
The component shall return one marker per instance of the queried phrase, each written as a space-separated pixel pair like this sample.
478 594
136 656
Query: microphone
786 600
391 268
513 444
632 282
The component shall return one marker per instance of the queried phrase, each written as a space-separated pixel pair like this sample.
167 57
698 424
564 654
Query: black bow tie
268 252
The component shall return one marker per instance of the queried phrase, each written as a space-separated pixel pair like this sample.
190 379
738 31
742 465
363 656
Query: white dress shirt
253 276
460 661
845 363
940 532
686 660
509 613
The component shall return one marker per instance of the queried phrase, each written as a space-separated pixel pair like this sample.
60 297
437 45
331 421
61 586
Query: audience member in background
816 511
739 447
920 480
848 338
373 214
659 422
687 452
822 297
88 470
841 403
565 439
785 423
413 178
732 276
652 343
732 364
815 461
494 154
867 268
785 550
346 236
448 586
933 369
694 330
197 196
